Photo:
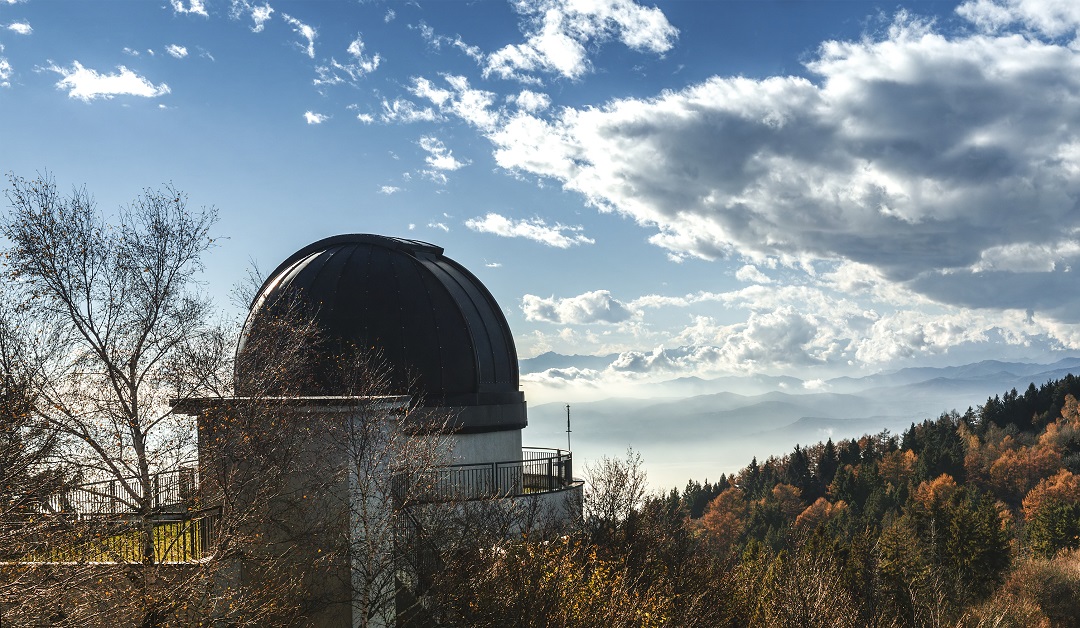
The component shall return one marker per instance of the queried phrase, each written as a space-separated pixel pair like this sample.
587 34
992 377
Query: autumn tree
1052 513
725 517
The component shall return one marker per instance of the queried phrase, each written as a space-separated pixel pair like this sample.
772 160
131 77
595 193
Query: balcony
184 533
539 471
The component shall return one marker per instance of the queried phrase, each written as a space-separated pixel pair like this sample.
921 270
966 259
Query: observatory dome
436 326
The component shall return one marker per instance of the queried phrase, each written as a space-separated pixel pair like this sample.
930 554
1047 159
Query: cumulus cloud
750 274
939 162
259 13
306 32
5 72
559 34
389 189
597 306
21 28
530 101
560 377
557 235
176 51
439 157
1053 18
472 105
358 65
315 118
86 84
194 7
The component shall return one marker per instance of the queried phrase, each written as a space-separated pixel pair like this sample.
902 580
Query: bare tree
30 465
117 300
615 494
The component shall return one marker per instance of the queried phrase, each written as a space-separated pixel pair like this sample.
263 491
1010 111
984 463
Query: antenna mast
567 427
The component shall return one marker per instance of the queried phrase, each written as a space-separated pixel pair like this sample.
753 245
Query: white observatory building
450 355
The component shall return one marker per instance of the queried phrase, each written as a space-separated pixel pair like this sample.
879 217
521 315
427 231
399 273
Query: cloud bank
948 164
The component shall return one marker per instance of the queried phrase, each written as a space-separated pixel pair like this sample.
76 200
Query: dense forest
971 519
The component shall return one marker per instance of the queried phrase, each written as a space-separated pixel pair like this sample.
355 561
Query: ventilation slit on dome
429 335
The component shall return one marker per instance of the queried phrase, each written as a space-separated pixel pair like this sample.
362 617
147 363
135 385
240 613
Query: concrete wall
486 447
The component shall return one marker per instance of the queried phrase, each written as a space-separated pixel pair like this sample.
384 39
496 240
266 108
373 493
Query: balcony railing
171 491
108 511
101 522
538 471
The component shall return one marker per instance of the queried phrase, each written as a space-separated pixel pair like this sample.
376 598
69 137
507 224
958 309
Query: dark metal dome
432 320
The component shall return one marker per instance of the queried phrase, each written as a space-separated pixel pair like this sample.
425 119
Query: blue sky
706 188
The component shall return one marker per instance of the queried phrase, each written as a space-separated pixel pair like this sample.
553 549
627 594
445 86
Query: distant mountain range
989 377
552 360
683 425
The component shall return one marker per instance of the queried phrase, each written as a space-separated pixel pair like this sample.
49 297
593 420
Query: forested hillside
971 519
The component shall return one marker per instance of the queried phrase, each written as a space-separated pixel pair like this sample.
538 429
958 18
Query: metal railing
171 491
538 471
103 521
179 537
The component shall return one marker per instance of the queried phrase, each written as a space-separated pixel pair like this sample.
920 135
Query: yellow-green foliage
173 541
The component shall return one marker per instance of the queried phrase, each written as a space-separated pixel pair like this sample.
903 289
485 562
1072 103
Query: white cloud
585 309
177 51
493 265
306 32
935 161
407 111
22 28
1028 257
259 13
530 101
557 235
750 274
195 7
86 84
350 72
562 377
438 41
5 72
471 105
131 52
389 189
439 225
559 33
390 15
439 156
1053 18
315 118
